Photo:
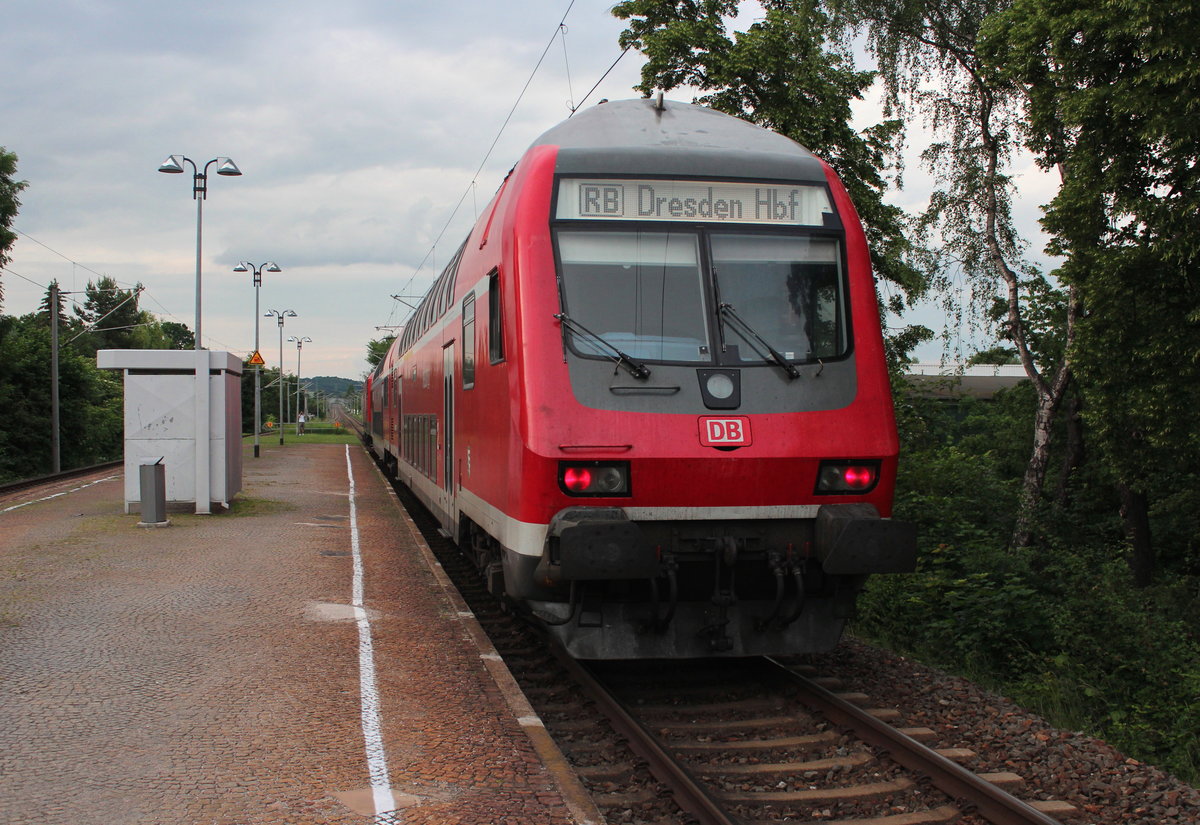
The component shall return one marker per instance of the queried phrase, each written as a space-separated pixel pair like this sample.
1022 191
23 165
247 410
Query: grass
316 432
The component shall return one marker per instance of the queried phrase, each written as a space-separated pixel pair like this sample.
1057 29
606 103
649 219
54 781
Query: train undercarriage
610 588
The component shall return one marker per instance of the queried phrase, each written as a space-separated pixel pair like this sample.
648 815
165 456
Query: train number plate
725 432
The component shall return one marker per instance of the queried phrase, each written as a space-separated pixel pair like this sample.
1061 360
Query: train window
641 292
786 290
468 341
442 290
495 319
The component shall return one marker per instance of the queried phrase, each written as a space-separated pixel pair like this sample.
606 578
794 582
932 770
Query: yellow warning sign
256 360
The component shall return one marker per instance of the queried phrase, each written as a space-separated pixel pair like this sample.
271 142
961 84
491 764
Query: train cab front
707 373
628 582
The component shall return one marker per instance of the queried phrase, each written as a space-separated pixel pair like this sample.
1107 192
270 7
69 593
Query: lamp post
246 266
287 313
299 345
173 165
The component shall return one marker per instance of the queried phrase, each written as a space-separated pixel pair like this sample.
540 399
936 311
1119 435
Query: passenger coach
648 393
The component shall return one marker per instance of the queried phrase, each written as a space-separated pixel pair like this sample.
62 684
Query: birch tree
1113 93
931 69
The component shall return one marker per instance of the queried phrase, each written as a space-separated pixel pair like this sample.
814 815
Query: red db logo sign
725 432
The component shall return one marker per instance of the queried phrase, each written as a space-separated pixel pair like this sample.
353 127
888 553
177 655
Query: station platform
299 658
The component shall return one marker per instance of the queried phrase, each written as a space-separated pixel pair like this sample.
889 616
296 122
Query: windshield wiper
776 356
636 368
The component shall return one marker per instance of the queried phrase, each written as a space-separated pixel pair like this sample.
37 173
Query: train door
448 416
398 413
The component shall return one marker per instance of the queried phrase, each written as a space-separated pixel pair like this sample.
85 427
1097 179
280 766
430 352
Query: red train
648 393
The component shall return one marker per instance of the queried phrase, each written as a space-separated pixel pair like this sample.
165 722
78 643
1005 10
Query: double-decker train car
648 396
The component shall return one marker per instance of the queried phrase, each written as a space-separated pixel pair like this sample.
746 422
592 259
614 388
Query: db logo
723 432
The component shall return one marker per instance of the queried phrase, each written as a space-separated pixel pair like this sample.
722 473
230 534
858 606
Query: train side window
495 319
468 341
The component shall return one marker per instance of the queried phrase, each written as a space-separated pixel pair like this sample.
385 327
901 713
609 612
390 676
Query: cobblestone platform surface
210 671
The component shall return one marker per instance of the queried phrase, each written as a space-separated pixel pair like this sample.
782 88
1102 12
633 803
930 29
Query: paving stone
208 672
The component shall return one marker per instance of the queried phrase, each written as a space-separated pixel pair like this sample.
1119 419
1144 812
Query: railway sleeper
811 741
778 768
873 790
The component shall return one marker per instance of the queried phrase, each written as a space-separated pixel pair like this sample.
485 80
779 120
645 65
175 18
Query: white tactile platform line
372 723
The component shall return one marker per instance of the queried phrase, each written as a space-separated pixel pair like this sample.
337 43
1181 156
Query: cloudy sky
358 126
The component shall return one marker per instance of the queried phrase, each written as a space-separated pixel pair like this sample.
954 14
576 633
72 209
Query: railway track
719 741
756 741
65 475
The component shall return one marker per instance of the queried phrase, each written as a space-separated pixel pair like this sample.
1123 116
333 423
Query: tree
993 355
111 314
1112 92
90 414
9 204
929 63
377 349
178 335
65 322
785 73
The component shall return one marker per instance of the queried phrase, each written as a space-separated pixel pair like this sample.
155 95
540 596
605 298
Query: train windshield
784 291
641 292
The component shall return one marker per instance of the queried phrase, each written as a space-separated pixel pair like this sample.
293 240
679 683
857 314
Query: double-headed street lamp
299 345
173 165
287 313
246 266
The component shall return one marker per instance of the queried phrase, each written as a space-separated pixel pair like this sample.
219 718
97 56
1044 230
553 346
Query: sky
364 130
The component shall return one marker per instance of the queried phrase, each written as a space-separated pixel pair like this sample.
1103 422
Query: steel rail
687 792
966 788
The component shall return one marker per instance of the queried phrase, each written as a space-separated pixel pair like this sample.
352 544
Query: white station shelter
183 408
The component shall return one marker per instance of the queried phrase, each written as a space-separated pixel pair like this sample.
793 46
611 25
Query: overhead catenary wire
49 248
562 27
595 86
488 154
560 31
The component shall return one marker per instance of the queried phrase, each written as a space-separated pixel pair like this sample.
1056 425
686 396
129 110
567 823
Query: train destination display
707 201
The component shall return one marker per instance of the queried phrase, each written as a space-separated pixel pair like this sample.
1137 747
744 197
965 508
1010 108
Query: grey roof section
634 137
955 380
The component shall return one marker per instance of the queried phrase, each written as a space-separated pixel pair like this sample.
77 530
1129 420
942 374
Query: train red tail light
847 477
594 478
577 479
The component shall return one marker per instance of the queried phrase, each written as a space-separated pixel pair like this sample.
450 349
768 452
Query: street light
287 313
173 165
246 266
299 345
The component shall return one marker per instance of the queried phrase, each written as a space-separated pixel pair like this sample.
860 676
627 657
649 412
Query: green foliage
1111 91
90 403
91 416
1059 627
10 188
1121 661
269 398
377 349
112 318
993 355
787 73
334 386
177 335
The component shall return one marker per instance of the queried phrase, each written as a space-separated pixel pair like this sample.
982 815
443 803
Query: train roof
637 137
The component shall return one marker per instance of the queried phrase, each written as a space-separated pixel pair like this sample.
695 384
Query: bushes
1121 662
1058 627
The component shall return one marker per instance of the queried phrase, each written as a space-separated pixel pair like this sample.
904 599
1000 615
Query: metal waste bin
153 477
